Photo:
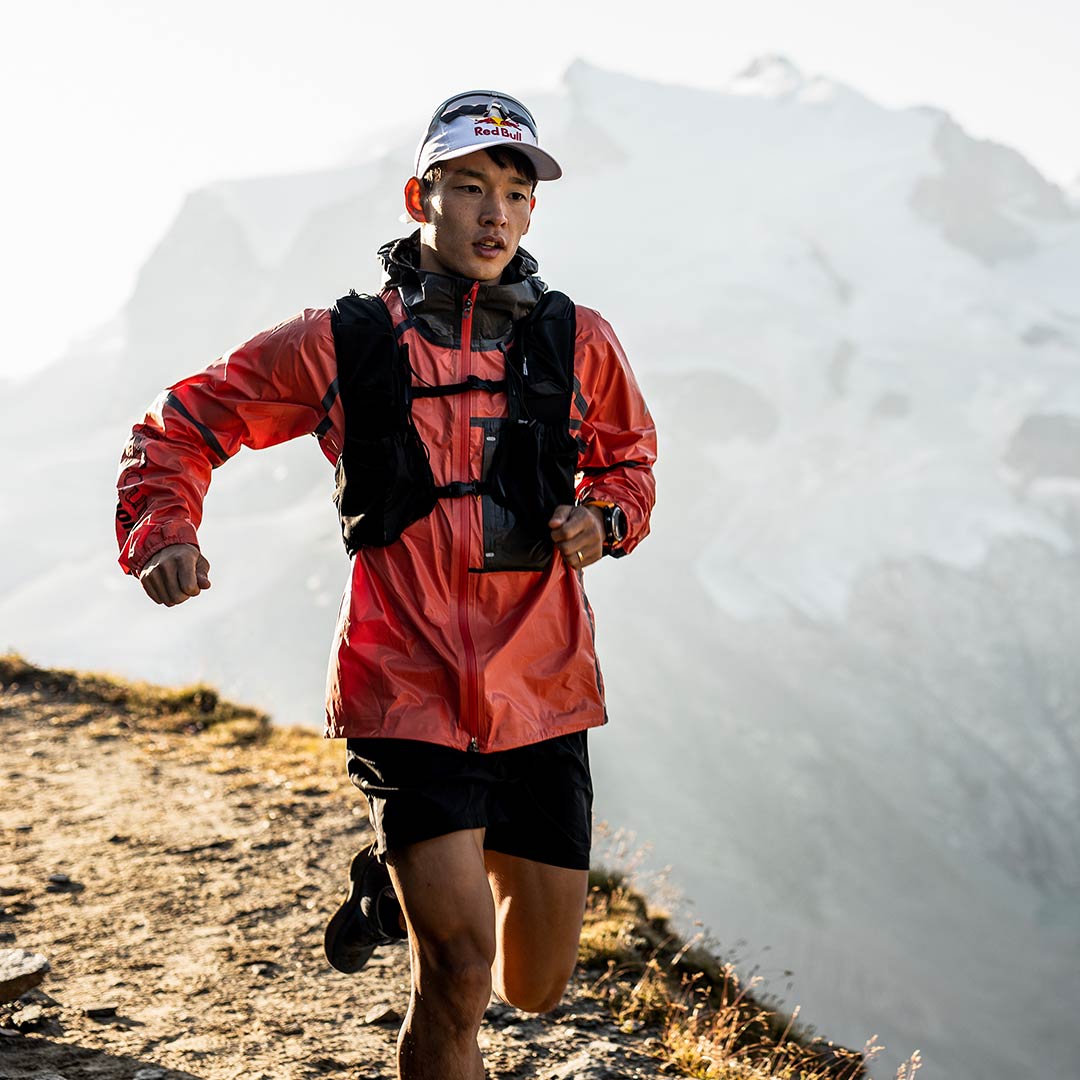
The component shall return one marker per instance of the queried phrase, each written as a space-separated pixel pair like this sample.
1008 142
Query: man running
490 442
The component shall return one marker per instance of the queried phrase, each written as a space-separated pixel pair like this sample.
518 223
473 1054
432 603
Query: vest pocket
525 482
389 487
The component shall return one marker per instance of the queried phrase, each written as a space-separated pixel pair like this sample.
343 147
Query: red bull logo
508 129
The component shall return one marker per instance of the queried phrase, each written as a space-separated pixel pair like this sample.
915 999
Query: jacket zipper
471 718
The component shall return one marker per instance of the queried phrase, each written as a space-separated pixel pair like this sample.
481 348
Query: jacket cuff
140 549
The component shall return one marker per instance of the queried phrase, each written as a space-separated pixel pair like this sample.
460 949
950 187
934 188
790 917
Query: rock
499 1013
62 883
9 1033
14 909
383 1014
27 1017
602 1060
579 1067
100 1012
20 970
149 1073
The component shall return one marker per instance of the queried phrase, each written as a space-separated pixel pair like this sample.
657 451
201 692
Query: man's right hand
175 573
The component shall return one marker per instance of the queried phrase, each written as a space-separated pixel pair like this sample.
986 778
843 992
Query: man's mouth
489 246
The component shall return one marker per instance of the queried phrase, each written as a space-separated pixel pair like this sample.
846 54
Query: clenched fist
578 533
175 573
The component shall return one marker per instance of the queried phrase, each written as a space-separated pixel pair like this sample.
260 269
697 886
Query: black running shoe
356 930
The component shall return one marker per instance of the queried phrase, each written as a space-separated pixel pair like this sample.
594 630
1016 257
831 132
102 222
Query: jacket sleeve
280 384
616 437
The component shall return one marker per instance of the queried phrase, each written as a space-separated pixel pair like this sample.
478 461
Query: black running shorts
534 802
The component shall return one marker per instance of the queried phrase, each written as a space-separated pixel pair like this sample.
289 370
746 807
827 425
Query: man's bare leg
443 888
538 914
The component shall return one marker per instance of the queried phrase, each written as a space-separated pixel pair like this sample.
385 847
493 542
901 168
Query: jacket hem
356 730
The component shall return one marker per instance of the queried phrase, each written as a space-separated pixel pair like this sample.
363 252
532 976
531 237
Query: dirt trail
200 873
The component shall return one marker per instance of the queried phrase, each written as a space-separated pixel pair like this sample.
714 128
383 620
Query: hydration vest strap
456 489
473 382
540 361
383 477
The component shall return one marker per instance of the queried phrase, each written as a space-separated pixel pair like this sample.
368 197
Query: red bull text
508 129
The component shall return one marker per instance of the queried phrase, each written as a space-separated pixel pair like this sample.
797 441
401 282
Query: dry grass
703 1019
190 722
190 709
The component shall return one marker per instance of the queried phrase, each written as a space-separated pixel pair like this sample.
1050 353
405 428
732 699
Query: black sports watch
614 522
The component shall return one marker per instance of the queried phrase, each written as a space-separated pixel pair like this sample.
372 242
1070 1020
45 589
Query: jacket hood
435 300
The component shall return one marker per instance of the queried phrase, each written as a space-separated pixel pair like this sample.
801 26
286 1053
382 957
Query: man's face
474 219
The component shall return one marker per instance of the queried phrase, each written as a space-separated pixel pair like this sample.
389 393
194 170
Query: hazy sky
115 108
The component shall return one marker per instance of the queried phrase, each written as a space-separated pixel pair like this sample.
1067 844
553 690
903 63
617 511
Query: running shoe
367 919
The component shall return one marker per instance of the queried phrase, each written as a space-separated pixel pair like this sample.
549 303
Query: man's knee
533 997
452 976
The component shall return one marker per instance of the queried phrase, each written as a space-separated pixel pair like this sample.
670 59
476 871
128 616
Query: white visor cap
477 119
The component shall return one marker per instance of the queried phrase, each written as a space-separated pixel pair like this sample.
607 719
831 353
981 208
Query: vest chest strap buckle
457 489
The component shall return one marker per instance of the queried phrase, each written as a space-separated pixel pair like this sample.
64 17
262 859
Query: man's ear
532 207
413 202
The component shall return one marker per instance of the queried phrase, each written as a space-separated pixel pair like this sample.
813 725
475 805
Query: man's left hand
578 533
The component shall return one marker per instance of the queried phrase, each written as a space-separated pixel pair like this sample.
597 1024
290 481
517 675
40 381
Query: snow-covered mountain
841 673
1072 193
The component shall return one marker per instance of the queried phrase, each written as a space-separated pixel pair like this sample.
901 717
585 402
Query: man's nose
493 212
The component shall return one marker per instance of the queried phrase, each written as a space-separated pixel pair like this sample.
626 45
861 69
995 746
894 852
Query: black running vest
383 479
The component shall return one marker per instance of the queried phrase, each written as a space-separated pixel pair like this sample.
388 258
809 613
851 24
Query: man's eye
469 187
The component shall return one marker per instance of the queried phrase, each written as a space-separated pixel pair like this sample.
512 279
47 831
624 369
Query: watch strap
611 513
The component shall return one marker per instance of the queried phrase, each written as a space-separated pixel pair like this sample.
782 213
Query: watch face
618 525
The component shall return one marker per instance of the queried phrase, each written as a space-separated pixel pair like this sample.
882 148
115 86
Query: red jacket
424 649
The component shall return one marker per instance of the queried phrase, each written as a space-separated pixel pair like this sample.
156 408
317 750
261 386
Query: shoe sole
358 957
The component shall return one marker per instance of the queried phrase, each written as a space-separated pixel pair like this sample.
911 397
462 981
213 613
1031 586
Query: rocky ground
174 858
178 883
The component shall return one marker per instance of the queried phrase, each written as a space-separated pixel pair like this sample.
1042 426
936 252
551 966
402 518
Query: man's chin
471 266
486 270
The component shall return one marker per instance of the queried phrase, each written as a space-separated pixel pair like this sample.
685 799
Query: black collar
435 300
